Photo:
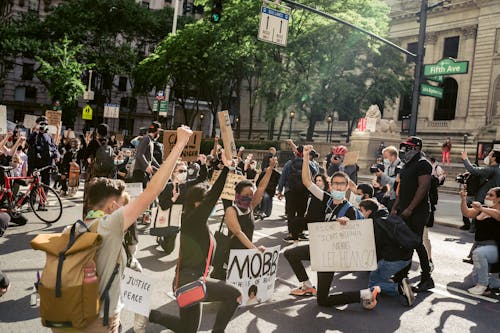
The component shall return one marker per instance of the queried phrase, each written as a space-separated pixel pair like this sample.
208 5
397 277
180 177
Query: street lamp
292 115
237 121
329 121
201 120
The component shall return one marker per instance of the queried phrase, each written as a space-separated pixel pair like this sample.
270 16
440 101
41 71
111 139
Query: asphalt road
448 308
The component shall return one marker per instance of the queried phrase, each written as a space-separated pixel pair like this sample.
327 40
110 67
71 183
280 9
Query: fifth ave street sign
273 26
446 66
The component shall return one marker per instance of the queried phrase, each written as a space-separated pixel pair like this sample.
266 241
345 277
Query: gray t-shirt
111 230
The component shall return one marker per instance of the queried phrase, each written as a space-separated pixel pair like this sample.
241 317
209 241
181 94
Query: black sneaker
425 284
406 292
290 239
465 227
303 237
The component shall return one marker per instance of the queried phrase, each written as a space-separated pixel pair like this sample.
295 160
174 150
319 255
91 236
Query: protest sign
342 248
351 158
136 291
170 217
30 121
190 152
231 181
133 189
53 117
227 135
3 119
253 273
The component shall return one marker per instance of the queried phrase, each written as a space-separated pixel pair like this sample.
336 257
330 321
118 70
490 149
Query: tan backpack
69 285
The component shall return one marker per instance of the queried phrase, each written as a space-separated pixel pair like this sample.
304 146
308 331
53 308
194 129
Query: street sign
87 112
163 108
88 95
431 91
437 78
111 110
273 27
447 66
160 96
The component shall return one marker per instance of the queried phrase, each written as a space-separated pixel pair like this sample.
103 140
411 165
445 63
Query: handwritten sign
342 248
53 117
227 135
30 120
351 158
136 291
229 187
170 217
133 189
253 273
3 119
190 152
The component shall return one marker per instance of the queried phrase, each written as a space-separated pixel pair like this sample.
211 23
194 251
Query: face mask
489 203
182 177
386 161
243 201
338 195
359 197
487 160
408 156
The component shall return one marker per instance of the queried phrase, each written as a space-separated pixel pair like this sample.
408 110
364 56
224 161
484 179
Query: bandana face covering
243 201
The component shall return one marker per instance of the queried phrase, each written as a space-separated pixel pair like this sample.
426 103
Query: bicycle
43 200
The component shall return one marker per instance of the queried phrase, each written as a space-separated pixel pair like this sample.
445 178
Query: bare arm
306 172
424 184
466 211
293 146
263 183
493 212
132 211
231 220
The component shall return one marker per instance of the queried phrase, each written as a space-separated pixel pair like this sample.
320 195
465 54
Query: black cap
42 119
155 126
102 130
313 154
414 141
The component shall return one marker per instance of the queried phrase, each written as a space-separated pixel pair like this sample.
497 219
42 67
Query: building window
122 83
28 70
25 94
412 47
404 106
128 104
445 107
19 94
451 47
107 82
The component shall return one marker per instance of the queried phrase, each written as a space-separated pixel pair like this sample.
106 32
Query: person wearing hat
42 149
145 162
412 202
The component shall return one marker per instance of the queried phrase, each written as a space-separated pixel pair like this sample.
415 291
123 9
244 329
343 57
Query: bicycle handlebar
37 172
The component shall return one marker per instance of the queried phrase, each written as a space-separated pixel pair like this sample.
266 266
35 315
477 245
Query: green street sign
432 91
446 66
162 108
437 78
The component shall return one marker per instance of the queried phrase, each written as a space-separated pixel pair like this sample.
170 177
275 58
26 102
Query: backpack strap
343 210
105 294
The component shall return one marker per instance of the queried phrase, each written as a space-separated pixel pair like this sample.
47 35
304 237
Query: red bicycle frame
7 191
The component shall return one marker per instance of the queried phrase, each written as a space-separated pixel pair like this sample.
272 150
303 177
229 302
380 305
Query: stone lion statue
383 125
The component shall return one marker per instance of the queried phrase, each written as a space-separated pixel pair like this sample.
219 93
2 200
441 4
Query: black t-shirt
273 182
316 210
410 172
251 173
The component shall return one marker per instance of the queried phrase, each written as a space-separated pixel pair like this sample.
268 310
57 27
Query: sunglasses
182 170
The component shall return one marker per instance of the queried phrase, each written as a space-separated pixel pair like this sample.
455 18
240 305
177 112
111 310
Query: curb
447 224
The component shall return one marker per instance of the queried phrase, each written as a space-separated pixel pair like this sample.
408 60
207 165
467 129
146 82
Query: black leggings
295 256
325 299
189 320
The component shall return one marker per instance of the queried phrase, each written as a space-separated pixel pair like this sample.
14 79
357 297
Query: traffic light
216 11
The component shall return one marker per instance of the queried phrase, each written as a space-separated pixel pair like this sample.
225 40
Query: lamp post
201 120
328 134
292 115
237 121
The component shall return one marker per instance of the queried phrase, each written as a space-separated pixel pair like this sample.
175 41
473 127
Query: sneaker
468 261
304 291
406 292
303 237
465 227
477 290
290 239
370 303
425 284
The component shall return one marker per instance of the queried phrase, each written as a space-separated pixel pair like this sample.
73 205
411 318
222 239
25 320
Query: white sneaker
140 323
477 290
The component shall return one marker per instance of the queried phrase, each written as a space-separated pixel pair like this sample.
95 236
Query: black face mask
407 155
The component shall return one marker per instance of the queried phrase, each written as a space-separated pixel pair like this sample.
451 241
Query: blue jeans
266 205
385 270
483 256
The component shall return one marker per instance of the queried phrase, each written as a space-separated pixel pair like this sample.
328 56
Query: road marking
450 295
285 282
264 235
463 292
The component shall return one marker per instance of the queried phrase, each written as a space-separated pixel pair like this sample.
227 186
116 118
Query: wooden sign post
227 135
190 152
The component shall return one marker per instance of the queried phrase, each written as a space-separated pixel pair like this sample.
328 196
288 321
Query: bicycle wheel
46 204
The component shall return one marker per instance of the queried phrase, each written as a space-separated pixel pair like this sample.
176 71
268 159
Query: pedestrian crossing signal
216 11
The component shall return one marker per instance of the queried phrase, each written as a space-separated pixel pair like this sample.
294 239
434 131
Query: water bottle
34 297
89 272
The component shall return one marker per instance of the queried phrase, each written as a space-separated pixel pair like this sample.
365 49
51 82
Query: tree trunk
270 132
281 126
310 129
251 107
350 128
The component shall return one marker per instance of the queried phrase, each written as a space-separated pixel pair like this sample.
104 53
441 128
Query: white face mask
181 177
487 160
489 203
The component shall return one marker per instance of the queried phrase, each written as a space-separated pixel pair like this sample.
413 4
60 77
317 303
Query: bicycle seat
6 168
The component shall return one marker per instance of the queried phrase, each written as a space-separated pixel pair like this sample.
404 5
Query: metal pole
418 68
176 13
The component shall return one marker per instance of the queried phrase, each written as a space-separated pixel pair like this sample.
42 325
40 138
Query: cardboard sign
3 119
253 273
342 248
190 152
30 120
231 181
133 189
351 158
167 218
119 137
136 291
227 135
53 117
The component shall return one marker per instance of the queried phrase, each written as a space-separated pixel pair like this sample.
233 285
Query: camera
376 167
44 127
462 178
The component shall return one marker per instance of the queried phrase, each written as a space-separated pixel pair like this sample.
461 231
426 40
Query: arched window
495 107
446 106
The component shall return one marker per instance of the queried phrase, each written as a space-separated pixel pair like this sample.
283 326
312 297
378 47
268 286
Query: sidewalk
448 210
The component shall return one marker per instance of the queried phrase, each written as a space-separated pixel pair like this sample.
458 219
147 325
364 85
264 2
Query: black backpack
294 179
104 163
399 231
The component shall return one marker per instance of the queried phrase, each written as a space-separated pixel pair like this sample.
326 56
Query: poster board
190 152
229 187
53 117
253 273
342 248
136 289
3 119
227 135
133 189
351 158
30 121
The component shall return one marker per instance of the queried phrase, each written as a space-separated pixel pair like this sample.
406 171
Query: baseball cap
412 141
155 126
41 119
